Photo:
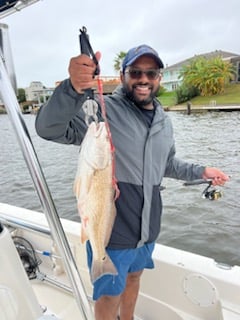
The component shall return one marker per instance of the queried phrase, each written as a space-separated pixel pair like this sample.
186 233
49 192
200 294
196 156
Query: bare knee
112 300
134 277
106 307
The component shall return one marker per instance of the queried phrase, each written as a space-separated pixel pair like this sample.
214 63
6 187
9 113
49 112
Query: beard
141 103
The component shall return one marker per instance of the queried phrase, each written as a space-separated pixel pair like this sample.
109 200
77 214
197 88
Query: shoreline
187 108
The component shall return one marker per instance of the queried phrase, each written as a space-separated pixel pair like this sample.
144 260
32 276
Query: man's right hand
81 70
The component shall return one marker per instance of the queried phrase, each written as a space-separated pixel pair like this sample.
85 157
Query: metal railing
23 224
10 102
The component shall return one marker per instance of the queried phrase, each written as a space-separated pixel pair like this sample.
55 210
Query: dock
187 108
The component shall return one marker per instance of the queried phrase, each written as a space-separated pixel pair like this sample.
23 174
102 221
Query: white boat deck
183 286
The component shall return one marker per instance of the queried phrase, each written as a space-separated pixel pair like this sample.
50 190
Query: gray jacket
143 157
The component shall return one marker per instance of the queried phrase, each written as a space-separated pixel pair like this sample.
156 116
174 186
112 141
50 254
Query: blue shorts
126 261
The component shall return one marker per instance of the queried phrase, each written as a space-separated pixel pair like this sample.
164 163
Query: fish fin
102 267
82 186
84 235
76 187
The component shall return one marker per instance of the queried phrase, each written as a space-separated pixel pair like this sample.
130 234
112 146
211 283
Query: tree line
201 76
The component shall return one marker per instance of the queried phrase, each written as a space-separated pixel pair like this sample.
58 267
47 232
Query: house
109 83
171 80
37 92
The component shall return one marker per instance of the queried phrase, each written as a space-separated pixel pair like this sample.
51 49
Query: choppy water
210 228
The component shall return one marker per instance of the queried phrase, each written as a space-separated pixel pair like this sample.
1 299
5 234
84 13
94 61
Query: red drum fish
95 192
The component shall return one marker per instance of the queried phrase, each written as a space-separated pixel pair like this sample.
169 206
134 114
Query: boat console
13 281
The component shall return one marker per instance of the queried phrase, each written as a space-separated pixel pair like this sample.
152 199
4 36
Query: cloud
45 35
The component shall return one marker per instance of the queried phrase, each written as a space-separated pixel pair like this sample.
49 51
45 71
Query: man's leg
109 292
106 308
129 296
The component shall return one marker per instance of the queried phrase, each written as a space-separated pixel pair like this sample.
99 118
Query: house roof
223 54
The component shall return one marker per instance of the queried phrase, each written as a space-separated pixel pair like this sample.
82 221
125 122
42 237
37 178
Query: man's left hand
218 177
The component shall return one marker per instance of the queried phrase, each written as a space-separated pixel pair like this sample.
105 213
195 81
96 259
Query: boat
43 269
183 285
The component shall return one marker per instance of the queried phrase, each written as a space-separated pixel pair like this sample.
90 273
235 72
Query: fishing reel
209 192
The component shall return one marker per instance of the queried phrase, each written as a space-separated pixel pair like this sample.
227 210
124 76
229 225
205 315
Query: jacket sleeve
182 170
61 119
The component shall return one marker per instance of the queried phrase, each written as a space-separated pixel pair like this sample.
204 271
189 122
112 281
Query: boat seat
13 278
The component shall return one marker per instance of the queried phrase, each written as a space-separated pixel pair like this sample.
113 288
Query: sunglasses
136 74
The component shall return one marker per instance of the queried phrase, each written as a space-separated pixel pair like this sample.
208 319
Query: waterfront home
171 80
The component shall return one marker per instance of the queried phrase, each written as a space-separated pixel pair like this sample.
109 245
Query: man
143 138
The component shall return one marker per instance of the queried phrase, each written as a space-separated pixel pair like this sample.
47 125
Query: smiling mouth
142 89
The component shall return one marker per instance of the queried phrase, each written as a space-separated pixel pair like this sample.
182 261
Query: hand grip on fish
90 106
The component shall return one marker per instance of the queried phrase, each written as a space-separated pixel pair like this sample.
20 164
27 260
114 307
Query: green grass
167 99
230 96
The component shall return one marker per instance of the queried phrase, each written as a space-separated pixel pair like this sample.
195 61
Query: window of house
174 86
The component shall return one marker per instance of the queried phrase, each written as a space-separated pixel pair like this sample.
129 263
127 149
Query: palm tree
209 76
118 60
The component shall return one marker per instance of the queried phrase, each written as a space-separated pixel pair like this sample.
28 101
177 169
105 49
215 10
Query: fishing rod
209 192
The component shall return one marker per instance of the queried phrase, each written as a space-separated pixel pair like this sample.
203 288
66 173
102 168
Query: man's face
142 87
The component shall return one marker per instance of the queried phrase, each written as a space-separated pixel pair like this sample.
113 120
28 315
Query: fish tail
102 267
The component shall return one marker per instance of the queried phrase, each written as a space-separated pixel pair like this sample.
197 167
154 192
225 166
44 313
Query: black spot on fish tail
102 267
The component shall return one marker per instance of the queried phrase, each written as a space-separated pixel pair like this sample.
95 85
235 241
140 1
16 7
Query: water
210 228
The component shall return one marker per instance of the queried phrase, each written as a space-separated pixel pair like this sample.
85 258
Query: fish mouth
100 127
97 128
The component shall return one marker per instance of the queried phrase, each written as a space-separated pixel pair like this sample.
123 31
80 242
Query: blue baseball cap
142 50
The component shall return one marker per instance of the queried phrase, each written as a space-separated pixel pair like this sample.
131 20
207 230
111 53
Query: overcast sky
45 35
